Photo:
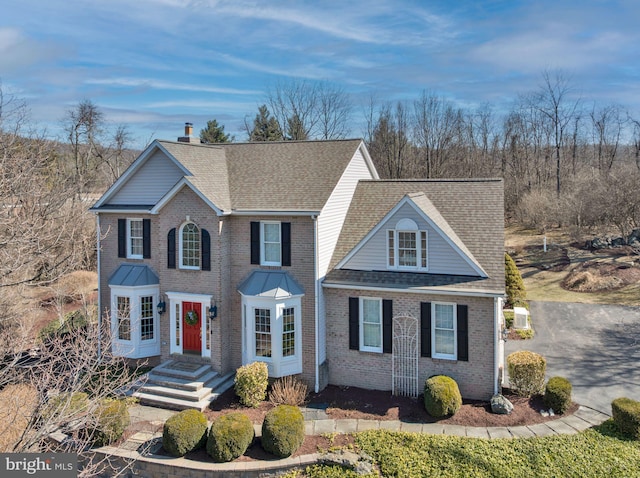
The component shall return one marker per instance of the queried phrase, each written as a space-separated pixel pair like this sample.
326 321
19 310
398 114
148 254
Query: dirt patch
555 259
593 276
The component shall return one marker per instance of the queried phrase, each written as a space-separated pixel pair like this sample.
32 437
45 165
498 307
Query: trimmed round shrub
283 430
441 396
626 416
184 432
526 372
557 394
251 383
112 420
229 437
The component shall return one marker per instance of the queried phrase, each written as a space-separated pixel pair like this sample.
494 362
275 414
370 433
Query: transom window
189 246
134 239
270 247
123 317
444 330
370 324
407 246
146 318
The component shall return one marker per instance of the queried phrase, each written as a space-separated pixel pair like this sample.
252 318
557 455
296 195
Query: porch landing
181 385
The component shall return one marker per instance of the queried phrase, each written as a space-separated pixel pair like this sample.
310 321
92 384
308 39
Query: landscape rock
361 463
500 405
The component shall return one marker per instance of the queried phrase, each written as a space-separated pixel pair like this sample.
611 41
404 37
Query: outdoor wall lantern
161 307
213 311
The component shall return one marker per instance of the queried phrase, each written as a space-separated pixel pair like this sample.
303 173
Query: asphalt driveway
596 347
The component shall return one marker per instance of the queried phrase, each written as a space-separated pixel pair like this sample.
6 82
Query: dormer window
407 246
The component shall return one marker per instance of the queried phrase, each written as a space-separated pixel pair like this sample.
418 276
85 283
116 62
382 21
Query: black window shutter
425 329
171 249
354 326
206 250
122 238
463 333
387 326
255 242
146 238
285 244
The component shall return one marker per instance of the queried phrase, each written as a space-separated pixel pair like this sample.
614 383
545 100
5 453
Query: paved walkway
317 423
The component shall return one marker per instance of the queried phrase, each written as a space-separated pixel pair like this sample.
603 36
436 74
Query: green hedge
557 394
441 396
229 437
283 430
184 432
626 416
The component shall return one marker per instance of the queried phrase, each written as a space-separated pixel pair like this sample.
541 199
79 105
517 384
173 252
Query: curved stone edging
159 466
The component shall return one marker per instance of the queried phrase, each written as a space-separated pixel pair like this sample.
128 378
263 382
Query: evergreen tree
265 127
214 133
295 129
516 293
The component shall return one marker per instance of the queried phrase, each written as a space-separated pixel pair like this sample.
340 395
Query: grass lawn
597 452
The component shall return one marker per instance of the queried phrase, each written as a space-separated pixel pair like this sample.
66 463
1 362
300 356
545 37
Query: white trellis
405 356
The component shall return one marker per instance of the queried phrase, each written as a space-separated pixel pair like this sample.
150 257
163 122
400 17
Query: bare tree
389 146
321 110
553 101
607 126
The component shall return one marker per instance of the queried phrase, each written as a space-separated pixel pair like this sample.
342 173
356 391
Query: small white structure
520 318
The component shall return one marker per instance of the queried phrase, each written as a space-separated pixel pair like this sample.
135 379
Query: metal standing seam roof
270 285
133 275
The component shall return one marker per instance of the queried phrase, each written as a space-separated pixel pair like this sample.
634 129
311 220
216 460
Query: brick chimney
188 135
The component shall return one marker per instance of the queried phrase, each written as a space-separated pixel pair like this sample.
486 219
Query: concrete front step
183 386
182 383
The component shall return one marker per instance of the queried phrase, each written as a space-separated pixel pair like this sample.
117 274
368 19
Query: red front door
191 327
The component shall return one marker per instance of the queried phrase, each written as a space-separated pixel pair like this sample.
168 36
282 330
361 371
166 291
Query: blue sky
154 64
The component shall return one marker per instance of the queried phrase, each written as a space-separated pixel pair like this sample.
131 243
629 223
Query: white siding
443 259
152 181
330 223
335 210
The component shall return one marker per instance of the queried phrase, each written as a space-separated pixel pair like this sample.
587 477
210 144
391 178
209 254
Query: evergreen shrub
557 394
441 396
526 372
251 383
229 437
516 293
283 430
184 432
112 420
626 416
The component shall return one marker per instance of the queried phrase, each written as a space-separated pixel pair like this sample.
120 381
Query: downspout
496 341
99 286
317 303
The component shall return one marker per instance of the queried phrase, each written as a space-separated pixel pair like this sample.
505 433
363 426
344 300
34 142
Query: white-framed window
135 239
288 331
370 324
123 317
270 243
407 246
443 334
262 333
189 246
147 331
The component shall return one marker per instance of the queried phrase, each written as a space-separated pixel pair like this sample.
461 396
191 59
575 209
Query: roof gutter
415 290
283 212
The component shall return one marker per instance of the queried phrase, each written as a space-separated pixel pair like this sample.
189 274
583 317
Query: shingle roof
473 209
289 175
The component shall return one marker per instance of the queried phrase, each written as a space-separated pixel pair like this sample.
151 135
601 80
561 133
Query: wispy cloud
165 85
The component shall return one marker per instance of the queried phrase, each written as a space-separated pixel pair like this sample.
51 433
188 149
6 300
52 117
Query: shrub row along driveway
596 347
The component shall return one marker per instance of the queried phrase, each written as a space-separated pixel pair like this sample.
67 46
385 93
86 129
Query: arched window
189 246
